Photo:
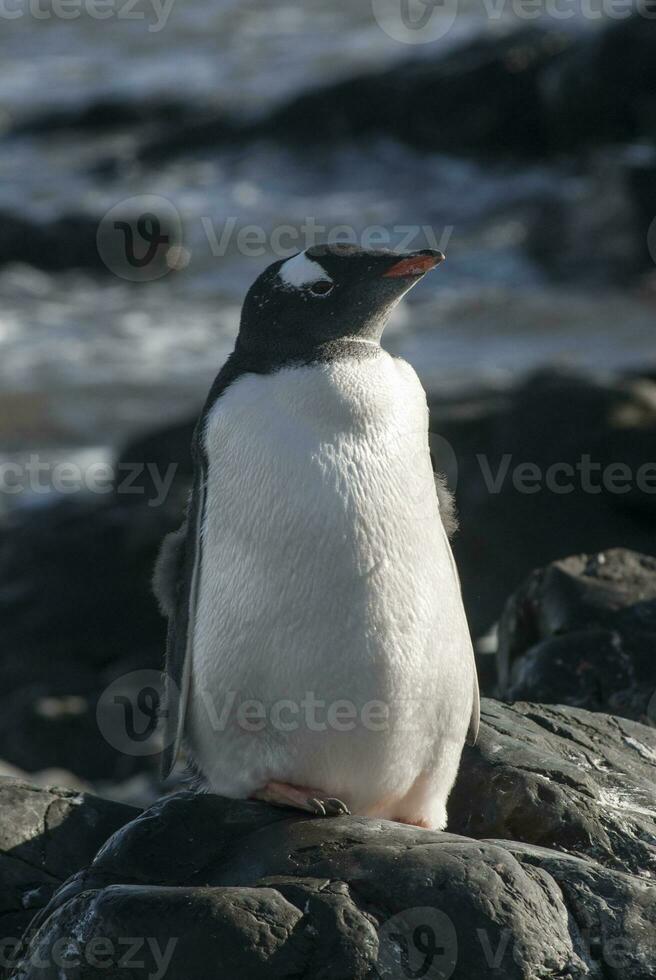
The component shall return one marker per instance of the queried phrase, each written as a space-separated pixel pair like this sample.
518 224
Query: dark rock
103 115
75 580
582 631
562 778
86 241
576 241
641 183
420 102
591 443
66 243
46 835
156 451
77 612
604 89
263 892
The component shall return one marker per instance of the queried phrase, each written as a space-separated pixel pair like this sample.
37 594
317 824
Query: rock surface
45 836
582 631
563 778
263 892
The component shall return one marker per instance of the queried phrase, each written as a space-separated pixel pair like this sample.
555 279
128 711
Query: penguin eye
321 288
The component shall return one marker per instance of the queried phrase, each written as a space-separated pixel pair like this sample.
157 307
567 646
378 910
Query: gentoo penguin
318 653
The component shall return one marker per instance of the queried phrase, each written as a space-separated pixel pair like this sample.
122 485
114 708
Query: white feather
299 271
326 571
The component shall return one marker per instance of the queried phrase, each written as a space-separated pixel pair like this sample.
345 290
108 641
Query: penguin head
326 294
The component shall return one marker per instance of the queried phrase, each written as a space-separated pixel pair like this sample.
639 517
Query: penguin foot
419 822
301 798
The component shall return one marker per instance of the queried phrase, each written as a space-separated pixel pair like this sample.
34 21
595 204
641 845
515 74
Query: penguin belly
330 646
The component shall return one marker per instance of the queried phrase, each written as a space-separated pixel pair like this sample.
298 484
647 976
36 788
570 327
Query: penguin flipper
175 583
168 570
475 720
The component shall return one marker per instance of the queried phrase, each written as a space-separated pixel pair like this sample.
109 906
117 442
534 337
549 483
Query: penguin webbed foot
302 798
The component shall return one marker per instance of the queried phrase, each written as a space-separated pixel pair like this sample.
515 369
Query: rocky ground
548 870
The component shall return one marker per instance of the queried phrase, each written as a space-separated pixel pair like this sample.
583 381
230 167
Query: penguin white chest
325 577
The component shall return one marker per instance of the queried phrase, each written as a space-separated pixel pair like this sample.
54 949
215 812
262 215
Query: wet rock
45 836
563 778
264 892
582 631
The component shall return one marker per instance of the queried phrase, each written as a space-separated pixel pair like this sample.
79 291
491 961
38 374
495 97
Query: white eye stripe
300 271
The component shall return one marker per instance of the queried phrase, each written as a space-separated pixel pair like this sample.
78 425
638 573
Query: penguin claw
283 794
335 807
317 806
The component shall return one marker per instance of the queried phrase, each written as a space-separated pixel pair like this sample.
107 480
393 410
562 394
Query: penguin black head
329 293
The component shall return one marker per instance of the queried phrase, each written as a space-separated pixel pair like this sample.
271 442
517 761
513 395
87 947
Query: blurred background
158 154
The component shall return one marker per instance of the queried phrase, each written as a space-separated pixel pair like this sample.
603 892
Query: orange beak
414 265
